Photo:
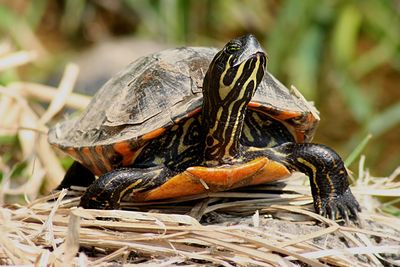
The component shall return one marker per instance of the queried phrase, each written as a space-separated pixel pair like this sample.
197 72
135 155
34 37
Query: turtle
193 120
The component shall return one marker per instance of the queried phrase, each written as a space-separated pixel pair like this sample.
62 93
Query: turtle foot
344 206
89 201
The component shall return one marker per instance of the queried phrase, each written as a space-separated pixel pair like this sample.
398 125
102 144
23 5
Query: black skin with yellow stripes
227 135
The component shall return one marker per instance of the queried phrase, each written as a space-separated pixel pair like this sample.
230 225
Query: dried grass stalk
145 236
17 59
47 94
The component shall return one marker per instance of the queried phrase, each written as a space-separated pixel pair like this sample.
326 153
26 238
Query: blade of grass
291 22
65 88
345 35
384 121
8 139
305 62
47 94
379 55
357 151
72 17
359 103
35 11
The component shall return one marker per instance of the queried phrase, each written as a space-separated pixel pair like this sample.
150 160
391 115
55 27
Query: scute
272 93
156 84
155 90
146 95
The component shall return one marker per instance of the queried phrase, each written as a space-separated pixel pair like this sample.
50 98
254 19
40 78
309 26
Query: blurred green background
342 54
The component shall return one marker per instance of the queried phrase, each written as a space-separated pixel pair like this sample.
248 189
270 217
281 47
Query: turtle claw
343 212
344 206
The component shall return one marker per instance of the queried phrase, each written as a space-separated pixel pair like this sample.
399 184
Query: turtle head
236 70
229 84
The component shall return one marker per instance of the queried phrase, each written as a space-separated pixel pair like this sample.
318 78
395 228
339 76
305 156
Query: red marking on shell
193 112
106 162
153 134
122 148
72 152
253 104
94 168
126 151
188 115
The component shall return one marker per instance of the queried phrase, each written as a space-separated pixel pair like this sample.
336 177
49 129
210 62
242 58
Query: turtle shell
154 92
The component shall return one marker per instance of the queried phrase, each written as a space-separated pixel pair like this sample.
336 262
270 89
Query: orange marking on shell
122 148
297 131
299 137
125 149
86 153
253 104
75 154
260 170
193 112
306 129
276 114
285 115
188 115
72 152
106 163
153 134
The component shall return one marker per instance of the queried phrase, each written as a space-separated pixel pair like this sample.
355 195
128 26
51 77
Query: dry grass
259 226
56 232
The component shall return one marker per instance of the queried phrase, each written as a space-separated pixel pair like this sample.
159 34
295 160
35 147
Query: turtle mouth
248 56
263 57
259 56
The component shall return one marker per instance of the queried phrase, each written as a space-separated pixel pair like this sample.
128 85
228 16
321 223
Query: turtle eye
232 48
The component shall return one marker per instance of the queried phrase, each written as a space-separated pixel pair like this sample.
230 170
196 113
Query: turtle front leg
328 176
107 191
